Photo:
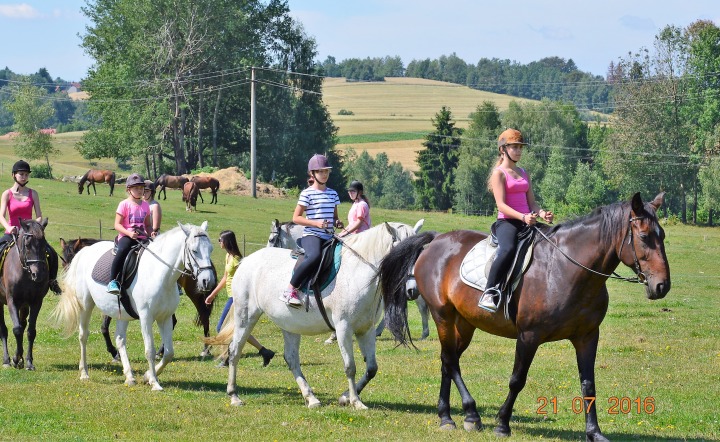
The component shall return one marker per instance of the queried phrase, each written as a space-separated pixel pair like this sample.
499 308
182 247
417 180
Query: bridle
640 277
189 260
22 252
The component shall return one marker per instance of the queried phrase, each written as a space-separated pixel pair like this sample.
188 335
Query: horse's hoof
344 401
7 365
473 426
30 367
236 402
360 406
156 387
312 402
596 437
448 426
424 336
130 382
502 431
84 376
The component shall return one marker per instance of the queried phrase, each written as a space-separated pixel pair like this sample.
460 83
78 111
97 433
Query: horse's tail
66 314
394 271
226 332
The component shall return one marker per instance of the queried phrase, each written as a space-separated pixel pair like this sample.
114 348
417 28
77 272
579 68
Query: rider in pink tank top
515 192
19 209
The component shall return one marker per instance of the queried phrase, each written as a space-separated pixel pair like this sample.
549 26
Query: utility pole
253 172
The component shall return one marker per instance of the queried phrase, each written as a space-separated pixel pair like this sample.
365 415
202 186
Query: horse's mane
85 177
374 242
611 216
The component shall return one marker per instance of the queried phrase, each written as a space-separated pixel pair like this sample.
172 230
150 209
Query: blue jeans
224 313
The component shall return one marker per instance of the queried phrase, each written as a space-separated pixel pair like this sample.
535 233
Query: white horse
153 294
352 302
285 235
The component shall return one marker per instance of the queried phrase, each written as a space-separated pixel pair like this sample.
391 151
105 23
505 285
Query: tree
31 110
438 161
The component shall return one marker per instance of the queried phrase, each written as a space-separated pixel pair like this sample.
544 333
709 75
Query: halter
22 254
640 276
187 256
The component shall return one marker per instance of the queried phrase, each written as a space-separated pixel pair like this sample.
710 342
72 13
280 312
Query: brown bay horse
562 295
190 196
23 286
207 182
69 249
93 176
169 181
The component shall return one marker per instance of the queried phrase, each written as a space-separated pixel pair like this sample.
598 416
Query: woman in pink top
132 222
359 215
512 189
19 201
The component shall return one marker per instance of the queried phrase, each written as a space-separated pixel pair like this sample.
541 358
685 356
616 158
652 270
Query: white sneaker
290 297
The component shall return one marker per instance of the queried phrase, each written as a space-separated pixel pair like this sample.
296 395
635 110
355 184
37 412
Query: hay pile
233 180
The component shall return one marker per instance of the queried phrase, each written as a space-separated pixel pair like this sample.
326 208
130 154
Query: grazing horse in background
285 236
190 195
207 182
23 286
197 297
153 293
93 176
562 295
170 181
351 301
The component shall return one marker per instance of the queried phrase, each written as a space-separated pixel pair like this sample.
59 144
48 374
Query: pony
562 295
197 297
153 294
24 284
351 301
285 236
190 195
93 176
169 181
207 182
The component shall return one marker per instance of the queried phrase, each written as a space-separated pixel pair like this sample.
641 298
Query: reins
186 254
640 277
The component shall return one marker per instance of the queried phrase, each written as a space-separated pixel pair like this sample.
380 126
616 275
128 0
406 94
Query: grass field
666 350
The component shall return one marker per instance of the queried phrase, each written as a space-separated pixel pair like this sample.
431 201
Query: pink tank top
515 192
20 209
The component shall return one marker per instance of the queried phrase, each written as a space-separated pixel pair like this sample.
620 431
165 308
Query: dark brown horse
24 284
93 176
207 182
190 196
561 296
69 249
169 181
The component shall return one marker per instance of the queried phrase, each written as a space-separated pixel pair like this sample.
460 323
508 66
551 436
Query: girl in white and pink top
359 215
512 189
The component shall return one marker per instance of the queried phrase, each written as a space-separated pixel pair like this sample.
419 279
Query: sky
45 33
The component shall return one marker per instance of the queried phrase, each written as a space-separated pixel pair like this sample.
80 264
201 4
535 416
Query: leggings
224 313
123 248
313 248
506 231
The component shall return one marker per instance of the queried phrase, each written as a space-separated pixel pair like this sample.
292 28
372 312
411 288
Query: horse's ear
276 223
23 223
418 225
657 202
44 222
204 226
636 204
183 228
62 243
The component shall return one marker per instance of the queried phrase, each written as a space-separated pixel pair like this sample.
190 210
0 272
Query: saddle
476 265
101 273
324 275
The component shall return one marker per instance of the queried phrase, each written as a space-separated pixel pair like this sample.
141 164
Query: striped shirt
319 205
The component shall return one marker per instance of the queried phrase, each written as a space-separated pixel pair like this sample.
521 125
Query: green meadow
657 369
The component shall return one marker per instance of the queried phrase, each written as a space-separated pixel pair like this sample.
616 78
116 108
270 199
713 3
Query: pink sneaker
290 297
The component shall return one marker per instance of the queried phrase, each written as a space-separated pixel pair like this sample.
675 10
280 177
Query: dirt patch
233 180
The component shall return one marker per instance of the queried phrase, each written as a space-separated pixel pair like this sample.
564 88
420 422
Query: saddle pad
101 271
329 275
476 265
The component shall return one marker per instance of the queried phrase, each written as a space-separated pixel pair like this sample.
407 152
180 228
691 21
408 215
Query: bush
206 169
42 171
345 112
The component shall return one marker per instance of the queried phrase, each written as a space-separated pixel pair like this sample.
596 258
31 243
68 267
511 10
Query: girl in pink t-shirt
512 189
132 224
359 215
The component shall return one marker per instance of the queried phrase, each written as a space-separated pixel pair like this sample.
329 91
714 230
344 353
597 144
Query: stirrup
490 299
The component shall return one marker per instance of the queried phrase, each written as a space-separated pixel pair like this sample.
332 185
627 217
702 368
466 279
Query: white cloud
22 10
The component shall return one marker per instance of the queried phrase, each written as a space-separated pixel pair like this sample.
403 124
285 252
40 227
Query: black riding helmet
20 166
356 185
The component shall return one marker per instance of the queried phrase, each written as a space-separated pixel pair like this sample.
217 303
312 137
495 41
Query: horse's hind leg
83 333
105 330
424 313
586 351
3 337
366 341
525 348
94 189
292 358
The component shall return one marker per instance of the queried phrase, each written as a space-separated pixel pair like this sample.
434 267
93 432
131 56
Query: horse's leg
586 351
292 358
214 197
366 342
83 333
94 189
31 333
105 330
4 336
150 377
161 351
423 308
242 331
120 338
455 335
200 195
18 330
526 346
380 327
166 331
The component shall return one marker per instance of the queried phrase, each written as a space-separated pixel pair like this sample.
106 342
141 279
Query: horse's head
80 187
645 251
401 231
198 249
32 247
274 238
